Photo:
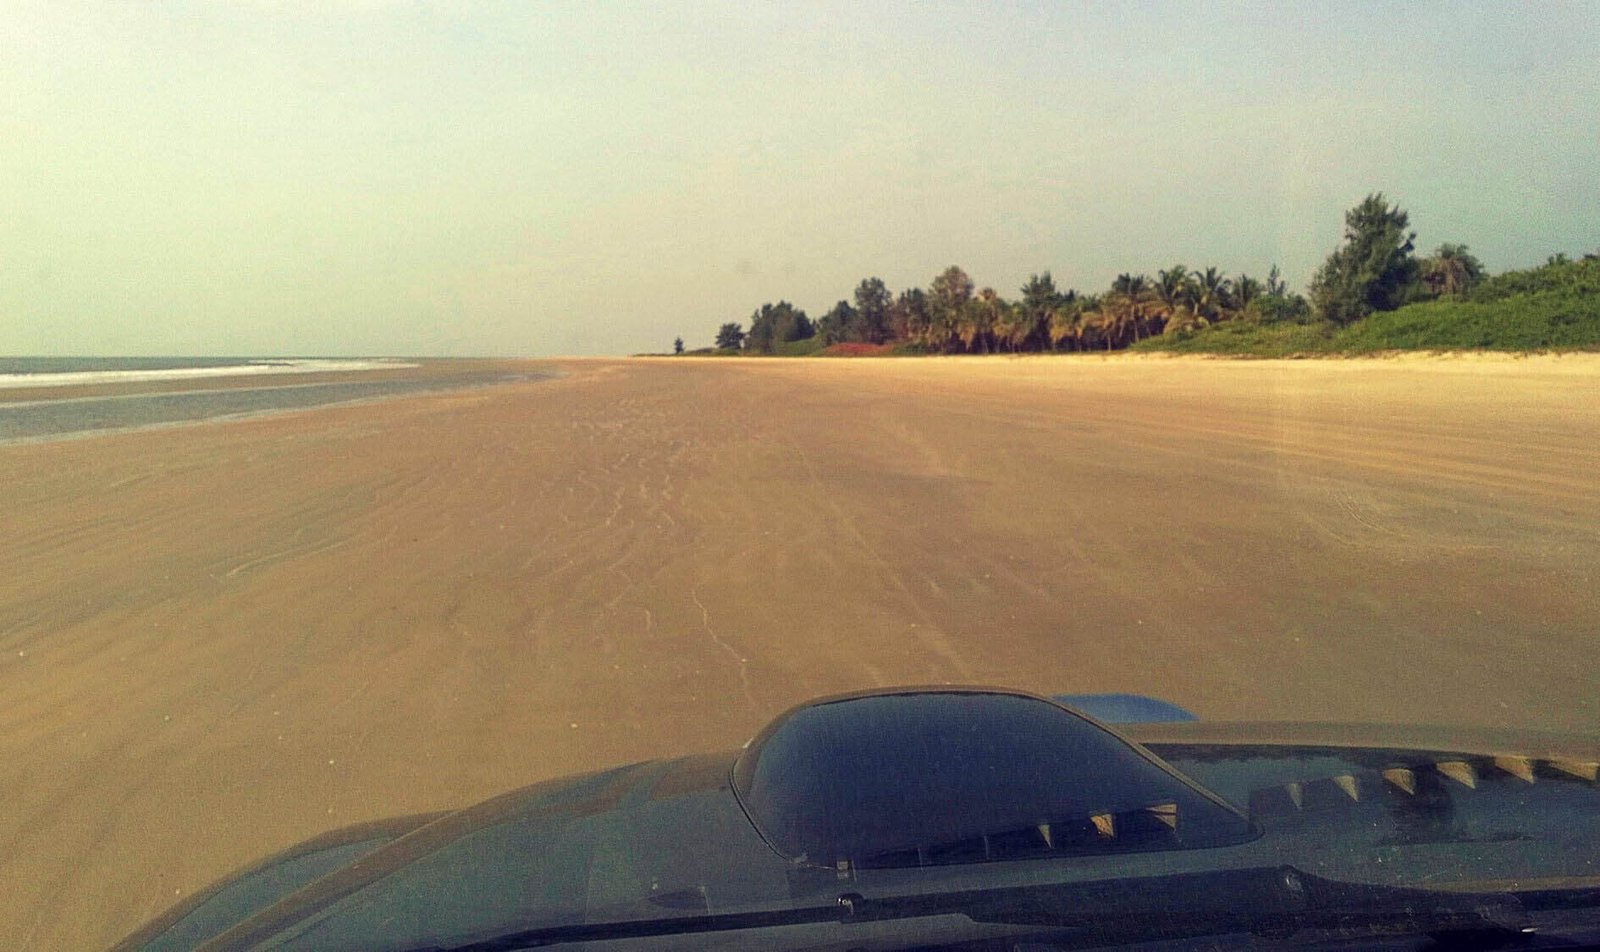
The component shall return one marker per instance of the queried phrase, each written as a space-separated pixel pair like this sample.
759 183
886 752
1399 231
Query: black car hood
1372 804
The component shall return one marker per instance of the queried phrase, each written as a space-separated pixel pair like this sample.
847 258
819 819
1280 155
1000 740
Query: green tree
1276 286
1015 328
1173 298
1029 327
873 302
730 336
1373 270
1273 303
1245 291
1451 271
947 304
839 324
980 320
1067 326
908 317
1213 295
1098 325
1040 293
774 324
1125 313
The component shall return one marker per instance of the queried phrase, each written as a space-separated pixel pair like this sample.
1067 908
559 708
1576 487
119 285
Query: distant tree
951 289
1276 308
677 345
1126 312
1451 271
1015 328
730 336
1245 291
1065 327
839 324
980 320
1273 303
908 316
1373 270
1173 294
873 302
1098 325
1275 283
1030 326
1213 295
774 324
1040 293
947 305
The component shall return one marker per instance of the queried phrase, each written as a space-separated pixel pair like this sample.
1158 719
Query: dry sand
219 639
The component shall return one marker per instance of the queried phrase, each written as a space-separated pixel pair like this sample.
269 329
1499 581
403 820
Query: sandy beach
219 639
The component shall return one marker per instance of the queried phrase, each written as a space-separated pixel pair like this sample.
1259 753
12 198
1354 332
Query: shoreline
388 384
416 367
442 375
264 367
1575 361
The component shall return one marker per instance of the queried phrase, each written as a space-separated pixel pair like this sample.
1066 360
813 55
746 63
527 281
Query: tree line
1375 268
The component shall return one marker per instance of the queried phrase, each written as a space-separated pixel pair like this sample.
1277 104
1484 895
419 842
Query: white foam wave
252 369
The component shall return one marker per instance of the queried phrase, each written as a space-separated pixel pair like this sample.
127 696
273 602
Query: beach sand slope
219 639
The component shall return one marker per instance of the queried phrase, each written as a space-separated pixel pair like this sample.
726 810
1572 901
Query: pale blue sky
319 177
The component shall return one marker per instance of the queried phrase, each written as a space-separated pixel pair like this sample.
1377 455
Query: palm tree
1126 311
1275 283
1172 294
1245 291
1014 327
1039 299
908 318
1097 325
943 329
979 320
1069 324
1452 271
1212 295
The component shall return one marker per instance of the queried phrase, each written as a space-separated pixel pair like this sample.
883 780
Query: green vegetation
1373 270
1249 339
775 324
1535 321
1559 275
1371 294
1556 306
805 347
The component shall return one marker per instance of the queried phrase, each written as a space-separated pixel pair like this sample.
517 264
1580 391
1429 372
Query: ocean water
65 371
56 365
274 385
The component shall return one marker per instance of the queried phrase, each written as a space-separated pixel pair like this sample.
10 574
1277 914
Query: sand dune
220 639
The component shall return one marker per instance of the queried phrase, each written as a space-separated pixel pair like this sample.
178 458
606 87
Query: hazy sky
321 177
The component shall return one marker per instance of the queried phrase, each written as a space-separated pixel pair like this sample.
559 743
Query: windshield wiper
1275 902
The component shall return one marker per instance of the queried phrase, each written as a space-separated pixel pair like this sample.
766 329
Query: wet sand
219 639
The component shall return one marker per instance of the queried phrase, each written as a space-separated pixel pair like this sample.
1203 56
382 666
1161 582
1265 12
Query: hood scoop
936 776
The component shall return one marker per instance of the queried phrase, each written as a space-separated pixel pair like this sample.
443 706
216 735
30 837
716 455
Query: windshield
405 403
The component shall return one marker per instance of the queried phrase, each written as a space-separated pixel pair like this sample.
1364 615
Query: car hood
1379 804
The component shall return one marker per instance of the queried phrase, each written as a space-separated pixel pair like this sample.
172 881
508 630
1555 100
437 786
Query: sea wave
250 368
